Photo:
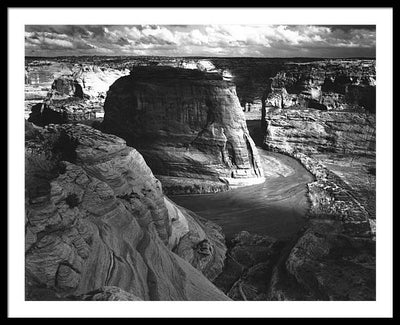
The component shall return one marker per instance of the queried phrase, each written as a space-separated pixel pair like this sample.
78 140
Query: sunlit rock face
187 123
75 96
87 81
96 217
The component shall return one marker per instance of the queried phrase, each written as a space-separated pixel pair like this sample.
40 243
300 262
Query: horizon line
204 56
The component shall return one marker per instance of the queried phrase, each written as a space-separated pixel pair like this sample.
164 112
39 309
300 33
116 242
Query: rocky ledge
96 217
187 123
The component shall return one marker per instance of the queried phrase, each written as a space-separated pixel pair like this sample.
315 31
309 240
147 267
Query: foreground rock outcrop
187 123
331 258
96 217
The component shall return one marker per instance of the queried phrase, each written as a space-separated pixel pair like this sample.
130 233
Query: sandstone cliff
334 257
186 123
325 85
313 131
96 217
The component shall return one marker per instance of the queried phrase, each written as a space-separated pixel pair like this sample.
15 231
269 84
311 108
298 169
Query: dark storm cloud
347 28
208 40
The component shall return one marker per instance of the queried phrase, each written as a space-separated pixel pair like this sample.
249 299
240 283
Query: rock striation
325 85
96 217
322 114
186 123
312 131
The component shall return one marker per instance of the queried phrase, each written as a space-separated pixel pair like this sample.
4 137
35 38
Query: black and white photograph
211 163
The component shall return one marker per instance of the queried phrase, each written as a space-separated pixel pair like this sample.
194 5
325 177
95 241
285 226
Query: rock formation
96 216
186 123
107 293
248 267
325 85
75 96
313 131
334 258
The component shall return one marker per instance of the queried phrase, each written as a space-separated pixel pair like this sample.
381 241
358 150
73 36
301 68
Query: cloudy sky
202 40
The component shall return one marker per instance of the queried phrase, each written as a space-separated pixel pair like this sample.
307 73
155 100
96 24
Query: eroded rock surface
334 258
187 123
312 131
107 293
325 85
249 265
96 216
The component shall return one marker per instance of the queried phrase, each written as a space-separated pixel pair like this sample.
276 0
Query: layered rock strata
96 216
312 131
186 123
325 85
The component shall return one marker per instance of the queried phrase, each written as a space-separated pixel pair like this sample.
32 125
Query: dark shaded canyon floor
275 208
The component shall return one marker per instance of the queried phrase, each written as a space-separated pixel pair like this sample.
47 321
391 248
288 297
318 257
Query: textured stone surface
186 123
313 131
76 95
332 265
334 259
319 139
248 269
325 85
96 216
107 293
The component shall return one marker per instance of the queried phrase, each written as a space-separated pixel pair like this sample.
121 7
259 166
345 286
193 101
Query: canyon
155 178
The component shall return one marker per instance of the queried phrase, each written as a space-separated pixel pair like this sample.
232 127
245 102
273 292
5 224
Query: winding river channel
276 207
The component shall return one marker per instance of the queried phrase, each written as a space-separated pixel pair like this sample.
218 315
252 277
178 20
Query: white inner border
19 17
